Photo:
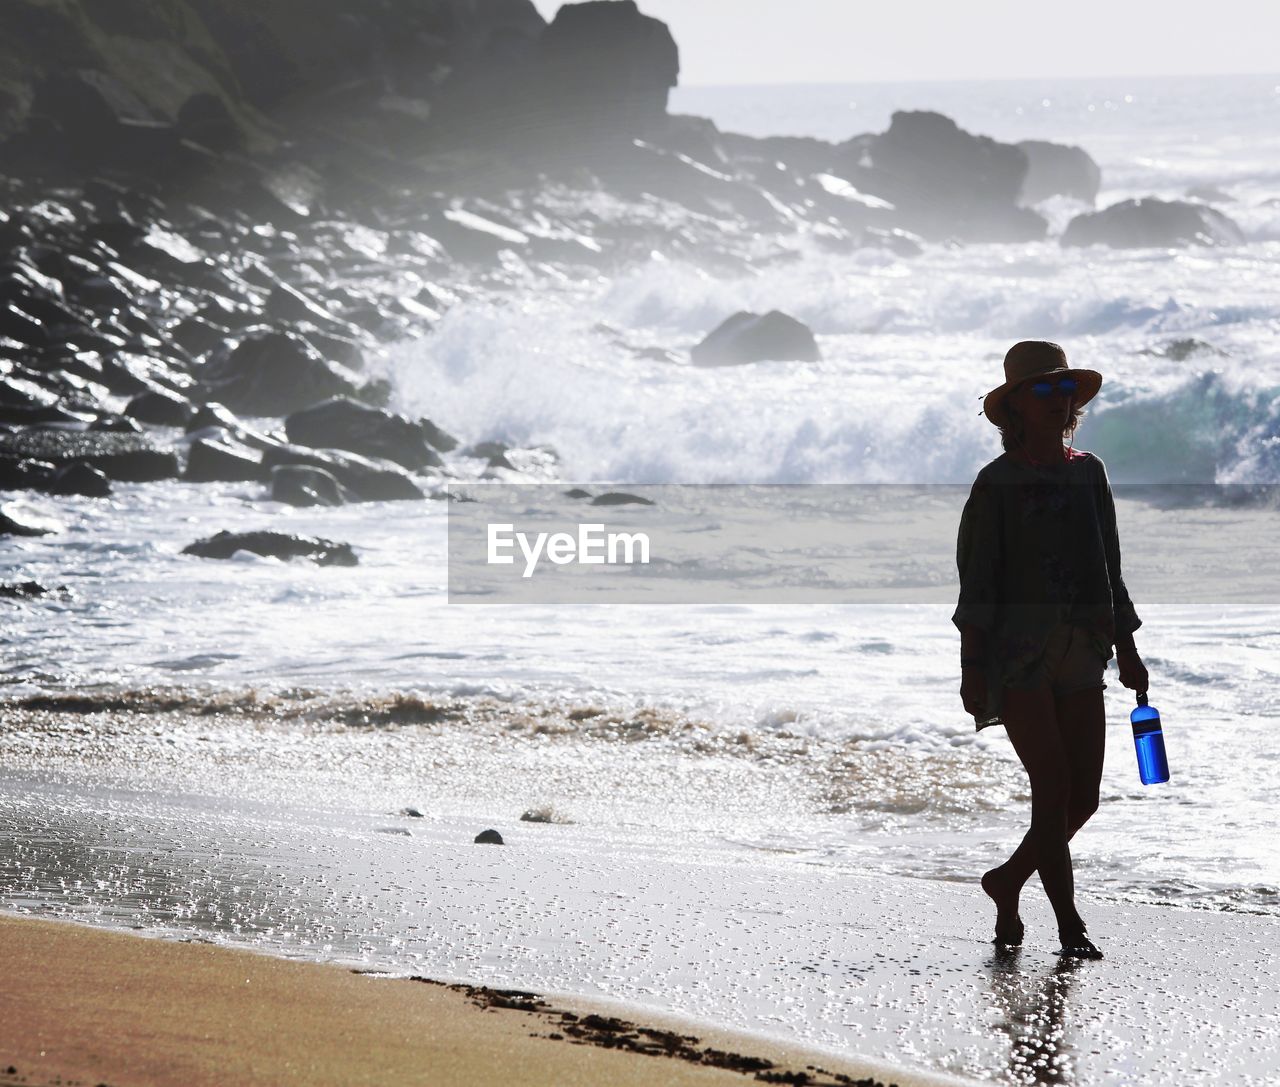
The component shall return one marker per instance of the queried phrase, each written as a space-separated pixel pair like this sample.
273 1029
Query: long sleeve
978 557
1126 618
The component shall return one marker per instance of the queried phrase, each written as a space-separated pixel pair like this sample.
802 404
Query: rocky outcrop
341 423
279 545
18 523
21 590
78 478
301 485
369 479
753 337
1056 169
604 68
271 373
219 458
944 182
1135 224
126 457
599 73
89 84
161 407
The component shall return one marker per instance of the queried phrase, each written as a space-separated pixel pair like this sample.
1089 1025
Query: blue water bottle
1149 740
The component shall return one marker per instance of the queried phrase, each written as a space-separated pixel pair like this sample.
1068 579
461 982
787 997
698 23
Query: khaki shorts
1070 663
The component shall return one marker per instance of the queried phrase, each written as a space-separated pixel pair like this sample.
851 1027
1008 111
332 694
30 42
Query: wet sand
294 839
82 1005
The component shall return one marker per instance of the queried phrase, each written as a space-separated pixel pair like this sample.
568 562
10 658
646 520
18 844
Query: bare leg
1081 719
1031 720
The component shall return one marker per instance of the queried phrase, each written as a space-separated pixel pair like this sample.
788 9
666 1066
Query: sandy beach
89 1006
208 822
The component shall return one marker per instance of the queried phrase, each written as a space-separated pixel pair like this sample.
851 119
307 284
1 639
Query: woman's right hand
973 690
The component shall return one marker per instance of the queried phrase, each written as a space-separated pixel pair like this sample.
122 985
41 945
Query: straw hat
1037 358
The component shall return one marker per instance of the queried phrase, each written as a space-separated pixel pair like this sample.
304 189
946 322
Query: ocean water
909 346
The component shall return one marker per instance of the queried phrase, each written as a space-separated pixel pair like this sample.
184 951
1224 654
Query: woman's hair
1011 433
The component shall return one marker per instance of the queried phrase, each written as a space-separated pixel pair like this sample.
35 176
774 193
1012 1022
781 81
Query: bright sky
858 41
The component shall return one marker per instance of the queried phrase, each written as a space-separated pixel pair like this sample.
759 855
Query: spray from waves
909 347
998 291
541 376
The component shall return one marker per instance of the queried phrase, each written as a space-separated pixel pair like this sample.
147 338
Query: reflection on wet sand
1032 1009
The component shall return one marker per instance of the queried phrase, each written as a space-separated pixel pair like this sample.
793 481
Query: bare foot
1077 945
1008 924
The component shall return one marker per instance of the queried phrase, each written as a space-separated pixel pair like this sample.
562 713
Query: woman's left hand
1133 673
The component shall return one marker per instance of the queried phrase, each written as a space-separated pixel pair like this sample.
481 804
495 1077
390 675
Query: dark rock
19 389
78 478
752 337
205 119
641 168
16 591
43 305
799 155
280 545
161 407
41 416
489 837
697 138
487 450
17 324
1133 224
495 452
370 480
577 492
212 461
213 414
272 373
606 68
537 460
303 485
620 498
116 424
437 437
197 336
469 237
1055 169
20 473
12 349
600 72
88 118
121 235
341 423
339 349
943 181
289 304
129 373
124 457
13 526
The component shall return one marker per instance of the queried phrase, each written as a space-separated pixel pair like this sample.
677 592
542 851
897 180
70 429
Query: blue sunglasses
1065 386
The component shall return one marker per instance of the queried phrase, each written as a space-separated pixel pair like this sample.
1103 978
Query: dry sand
88 1006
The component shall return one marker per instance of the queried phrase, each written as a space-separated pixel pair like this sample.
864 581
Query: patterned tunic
1038 547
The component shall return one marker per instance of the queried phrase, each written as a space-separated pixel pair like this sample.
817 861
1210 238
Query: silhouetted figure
1042 603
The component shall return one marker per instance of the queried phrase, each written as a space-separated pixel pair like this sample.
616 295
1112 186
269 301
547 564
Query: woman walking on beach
1042 603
